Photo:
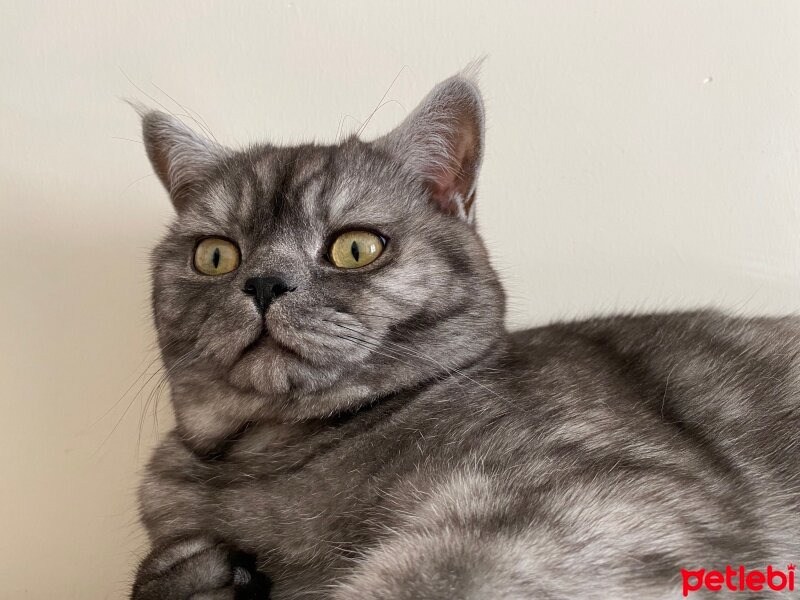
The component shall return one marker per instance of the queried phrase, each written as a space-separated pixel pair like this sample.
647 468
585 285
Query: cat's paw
199 568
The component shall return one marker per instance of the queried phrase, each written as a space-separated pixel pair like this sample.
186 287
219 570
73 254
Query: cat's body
444 457
621 451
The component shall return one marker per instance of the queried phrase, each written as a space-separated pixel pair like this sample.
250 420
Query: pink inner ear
442 191
452 183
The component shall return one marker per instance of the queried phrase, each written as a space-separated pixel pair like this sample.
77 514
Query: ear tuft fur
181 158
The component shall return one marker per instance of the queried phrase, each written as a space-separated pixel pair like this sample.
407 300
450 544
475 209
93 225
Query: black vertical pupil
215 258
354 250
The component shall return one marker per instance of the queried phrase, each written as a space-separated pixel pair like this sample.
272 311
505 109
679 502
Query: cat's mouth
265 342
259 340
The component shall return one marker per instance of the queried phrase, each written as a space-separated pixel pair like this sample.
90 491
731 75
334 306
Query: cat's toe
201 569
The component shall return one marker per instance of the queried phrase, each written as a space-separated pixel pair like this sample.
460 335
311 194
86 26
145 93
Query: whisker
362 314
423 356
204 126
125 75
375 344
116 137
365 343
136 396
127 408
155 394
374 348
135 381
380 102
125 393
137 180
339 131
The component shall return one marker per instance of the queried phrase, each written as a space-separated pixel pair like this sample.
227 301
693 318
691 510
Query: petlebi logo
739 579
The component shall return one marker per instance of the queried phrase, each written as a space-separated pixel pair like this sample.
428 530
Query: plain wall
640 155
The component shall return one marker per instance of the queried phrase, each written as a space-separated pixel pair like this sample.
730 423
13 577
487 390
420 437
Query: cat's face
302 281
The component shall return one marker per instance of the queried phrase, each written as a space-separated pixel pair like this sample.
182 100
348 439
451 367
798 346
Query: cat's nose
264 290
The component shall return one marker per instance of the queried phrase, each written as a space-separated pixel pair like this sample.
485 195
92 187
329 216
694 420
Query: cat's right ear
182 159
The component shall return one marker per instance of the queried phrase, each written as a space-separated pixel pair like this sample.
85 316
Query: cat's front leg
199 568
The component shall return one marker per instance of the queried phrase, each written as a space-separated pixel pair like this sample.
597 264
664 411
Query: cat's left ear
441 141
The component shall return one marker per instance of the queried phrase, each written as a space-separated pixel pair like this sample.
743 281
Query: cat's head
298 282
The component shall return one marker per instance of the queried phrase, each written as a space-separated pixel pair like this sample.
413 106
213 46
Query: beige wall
640 155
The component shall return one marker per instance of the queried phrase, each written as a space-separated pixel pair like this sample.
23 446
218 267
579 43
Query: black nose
264 290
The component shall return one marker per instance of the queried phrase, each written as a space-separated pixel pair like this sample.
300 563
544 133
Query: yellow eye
354 249
215 256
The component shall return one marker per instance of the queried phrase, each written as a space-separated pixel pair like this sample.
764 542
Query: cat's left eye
216 256
354 249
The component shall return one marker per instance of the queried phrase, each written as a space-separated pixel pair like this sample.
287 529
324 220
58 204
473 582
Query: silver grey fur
389 439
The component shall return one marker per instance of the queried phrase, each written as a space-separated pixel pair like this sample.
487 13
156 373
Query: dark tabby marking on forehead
376 433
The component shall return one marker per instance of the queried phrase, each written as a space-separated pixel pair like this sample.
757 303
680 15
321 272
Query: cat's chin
262 367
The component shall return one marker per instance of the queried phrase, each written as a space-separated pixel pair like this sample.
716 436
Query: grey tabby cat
354 421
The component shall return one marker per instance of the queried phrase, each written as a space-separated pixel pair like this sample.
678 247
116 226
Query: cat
354 420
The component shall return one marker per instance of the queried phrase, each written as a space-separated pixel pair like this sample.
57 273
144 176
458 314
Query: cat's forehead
266 189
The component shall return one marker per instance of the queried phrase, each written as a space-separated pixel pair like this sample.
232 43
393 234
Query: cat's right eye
216 256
